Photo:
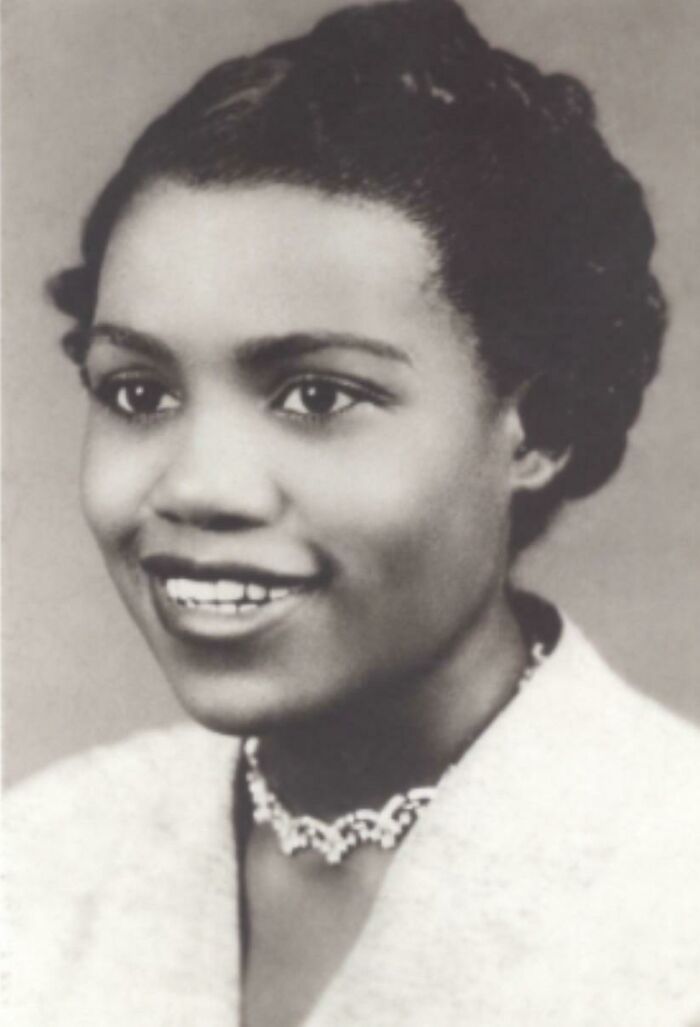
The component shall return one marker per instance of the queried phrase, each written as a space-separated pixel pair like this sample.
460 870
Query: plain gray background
81 78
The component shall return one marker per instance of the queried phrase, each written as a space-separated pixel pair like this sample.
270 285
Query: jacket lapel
503 885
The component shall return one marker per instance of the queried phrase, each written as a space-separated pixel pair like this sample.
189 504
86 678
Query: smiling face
296 472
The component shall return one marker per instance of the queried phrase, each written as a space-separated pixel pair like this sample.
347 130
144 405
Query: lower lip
205 624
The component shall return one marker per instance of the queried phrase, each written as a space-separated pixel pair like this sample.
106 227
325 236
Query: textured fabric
555 880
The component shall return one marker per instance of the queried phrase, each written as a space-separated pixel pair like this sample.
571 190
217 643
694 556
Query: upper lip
164 565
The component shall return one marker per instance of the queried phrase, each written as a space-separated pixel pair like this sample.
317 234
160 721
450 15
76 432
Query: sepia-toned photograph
351 513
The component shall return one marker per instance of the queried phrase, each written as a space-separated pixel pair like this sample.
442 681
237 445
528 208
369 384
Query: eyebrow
266 350
126 338
257 353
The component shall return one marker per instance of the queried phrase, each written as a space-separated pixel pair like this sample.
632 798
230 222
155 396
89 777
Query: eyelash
353 392
107 393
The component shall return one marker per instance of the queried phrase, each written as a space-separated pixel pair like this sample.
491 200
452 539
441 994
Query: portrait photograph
351 513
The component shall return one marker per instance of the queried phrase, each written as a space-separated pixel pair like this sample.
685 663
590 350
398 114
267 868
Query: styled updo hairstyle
543 237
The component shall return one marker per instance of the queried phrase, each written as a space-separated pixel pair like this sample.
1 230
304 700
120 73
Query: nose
215 475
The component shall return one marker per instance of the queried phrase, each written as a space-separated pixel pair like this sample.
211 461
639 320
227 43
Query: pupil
319 398
143 397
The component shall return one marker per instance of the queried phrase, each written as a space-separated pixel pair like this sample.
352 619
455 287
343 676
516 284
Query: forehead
250 260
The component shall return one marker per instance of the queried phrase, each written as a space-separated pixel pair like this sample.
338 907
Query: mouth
224 596
222 601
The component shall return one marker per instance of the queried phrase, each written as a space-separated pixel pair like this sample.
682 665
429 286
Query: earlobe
532 467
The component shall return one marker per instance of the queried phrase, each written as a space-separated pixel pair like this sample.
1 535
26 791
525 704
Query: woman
355 317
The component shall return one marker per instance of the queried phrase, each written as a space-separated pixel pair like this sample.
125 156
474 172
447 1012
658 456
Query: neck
402 736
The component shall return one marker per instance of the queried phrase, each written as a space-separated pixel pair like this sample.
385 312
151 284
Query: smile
224 597
223 602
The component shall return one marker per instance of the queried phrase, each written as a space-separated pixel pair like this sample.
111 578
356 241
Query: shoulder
139 767
582 716
83 812
628 726
628 767
106 854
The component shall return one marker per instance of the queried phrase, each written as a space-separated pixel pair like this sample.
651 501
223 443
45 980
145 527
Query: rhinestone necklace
335 840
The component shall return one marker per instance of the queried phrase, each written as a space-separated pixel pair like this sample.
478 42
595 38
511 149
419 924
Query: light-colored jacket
554 881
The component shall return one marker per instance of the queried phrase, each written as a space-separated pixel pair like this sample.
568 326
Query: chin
243 704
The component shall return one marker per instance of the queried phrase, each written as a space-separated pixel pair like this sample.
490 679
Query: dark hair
544 238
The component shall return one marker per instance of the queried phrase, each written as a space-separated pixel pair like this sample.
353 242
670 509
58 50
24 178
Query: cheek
114 480
410 506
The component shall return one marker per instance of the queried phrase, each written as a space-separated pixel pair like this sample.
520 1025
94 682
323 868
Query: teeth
225 596
178 588
230 591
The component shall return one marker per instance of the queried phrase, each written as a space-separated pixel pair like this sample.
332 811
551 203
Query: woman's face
295 470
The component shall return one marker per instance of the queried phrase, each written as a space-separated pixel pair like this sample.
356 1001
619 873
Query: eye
136 398
318 398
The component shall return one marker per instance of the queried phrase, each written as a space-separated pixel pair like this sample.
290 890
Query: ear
532 466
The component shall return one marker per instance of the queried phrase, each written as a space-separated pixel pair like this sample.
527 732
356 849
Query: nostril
209 521
225 522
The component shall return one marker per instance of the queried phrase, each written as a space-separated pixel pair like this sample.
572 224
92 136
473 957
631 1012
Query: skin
397 500
395 503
